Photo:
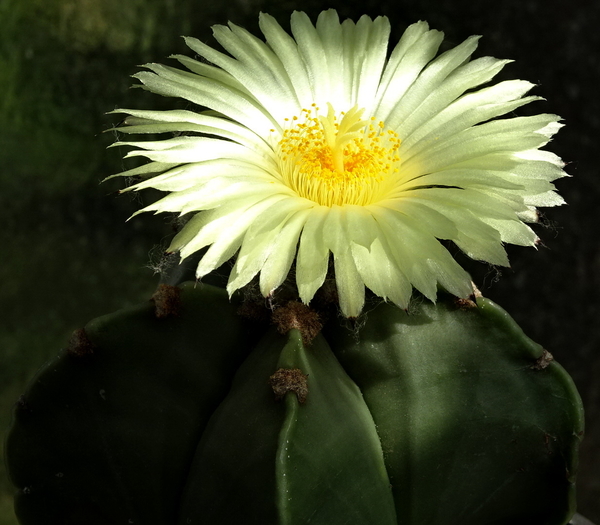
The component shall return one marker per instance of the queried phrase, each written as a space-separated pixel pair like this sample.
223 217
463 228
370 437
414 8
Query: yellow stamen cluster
331 161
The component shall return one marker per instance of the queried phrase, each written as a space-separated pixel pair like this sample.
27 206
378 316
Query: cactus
179 411
329 168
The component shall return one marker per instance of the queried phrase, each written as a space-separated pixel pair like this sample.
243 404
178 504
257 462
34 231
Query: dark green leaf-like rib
291 463
477 427
330 465
108 437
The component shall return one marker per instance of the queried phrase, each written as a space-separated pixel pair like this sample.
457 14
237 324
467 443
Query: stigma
338 159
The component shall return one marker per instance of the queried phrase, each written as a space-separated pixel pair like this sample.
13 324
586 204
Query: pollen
338 159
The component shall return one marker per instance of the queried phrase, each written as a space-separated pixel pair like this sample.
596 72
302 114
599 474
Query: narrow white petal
449 97
541 169
492 137
429 80
255 66
219 171
171 82
477 239
313 55
428 218
360 225
277 216
262 239
466 177
313 255
220 252
414 51
334 231
159 145
402 49
513 232
366 51
190 230
251 258
540 155
481 247
350 286
208 71
283 252
230 238
434 121
181 120
284 46
206 227
469 199
409 250
546 199
497 135
192 149
380 273
531 215
421 257
146 169
212 194
329 29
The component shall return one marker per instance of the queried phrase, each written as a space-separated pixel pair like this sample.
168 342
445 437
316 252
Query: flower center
332 160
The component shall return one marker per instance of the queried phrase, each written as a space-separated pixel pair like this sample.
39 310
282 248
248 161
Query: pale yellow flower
322 143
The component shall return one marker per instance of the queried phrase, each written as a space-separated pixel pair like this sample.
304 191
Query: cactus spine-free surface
180 411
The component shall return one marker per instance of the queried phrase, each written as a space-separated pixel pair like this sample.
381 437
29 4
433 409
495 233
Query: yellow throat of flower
338 161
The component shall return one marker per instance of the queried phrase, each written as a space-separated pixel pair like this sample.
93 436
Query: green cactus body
477 425
446 415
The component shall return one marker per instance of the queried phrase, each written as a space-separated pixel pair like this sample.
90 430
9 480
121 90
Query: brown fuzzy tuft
79 344
167 301
543 361
289 380
464 304
255 312
297 315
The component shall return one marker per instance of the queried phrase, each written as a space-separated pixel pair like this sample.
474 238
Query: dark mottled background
67 255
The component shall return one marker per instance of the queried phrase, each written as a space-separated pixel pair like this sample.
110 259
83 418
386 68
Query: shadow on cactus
297 404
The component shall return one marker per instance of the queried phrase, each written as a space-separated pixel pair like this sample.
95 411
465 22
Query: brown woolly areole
299 316
543 361
167 301
287 380
464 304
79 344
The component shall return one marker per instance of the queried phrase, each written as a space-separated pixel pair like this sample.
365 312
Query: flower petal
230 237
380 273
236 105
350 286
283 252
416 48
429 80
313 255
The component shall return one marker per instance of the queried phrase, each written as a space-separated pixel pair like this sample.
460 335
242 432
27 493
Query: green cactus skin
108 437
477 426
448 415
290 463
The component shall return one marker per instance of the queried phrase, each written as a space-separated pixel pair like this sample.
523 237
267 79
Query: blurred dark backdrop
68 256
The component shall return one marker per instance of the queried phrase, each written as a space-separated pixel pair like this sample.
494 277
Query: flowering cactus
215 406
